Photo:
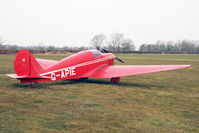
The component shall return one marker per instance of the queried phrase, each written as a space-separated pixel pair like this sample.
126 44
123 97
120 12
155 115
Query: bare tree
127 45
170 46
13 47
197 48
161 45
98 41
1 40
116 41
50 48
1 43
143 48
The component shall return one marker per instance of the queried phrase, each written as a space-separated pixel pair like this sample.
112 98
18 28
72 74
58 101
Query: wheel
115 80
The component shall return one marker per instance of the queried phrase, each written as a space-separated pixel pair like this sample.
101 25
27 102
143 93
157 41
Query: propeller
105 51
118 59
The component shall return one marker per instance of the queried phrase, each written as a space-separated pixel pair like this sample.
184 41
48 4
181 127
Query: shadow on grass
103 82
89 81
27 86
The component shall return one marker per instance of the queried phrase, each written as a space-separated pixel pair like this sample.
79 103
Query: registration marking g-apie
64 73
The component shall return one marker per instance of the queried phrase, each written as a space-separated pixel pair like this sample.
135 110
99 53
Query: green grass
156 102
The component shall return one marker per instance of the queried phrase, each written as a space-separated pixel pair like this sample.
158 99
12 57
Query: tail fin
26 64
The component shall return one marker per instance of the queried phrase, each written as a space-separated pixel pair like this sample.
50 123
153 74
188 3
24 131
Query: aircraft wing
119 71
46 63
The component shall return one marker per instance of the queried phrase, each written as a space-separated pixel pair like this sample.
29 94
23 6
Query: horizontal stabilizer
27 76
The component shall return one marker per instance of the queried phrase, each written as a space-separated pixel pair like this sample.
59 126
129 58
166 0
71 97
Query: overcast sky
74 22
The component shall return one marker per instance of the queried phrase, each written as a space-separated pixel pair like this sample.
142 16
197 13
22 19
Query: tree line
116 42
184 46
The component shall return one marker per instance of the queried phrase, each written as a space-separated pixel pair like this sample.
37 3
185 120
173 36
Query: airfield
157 102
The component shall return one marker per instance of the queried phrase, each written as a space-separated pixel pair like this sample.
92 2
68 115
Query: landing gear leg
115 80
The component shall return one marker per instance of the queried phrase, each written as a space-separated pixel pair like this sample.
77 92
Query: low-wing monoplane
82 65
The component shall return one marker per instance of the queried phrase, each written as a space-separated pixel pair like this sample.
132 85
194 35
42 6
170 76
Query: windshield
96 53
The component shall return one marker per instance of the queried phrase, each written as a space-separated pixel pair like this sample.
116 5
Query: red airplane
82 65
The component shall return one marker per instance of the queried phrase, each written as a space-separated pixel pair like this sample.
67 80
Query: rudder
26 64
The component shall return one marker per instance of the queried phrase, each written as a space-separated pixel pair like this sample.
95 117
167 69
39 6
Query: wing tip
185 66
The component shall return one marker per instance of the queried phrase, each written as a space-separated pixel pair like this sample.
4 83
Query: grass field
156 102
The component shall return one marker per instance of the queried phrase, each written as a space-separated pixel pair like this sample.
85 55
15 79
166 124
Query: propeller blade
105 51
118 59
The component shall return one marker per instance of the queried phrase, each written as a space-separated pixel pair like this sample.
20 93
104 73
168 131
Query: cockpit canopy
96 53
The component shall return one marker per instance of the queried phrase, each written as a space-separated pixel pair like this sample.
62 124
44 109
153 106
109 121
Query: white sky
74 22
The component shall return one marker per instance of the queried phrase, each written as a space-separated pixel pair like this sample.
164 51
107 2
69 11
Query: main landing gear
115 80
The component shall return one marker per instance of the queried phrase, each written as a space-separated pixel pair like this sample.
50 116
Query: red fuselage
76 66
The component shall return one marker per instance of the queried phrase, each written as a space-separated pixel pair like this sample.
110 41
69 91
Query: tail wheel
115 80
32 84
